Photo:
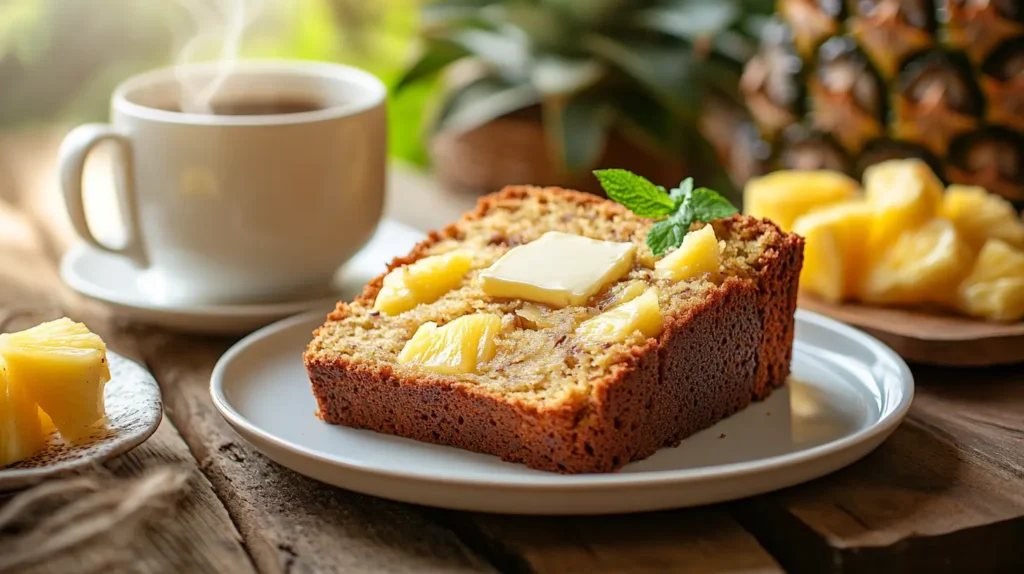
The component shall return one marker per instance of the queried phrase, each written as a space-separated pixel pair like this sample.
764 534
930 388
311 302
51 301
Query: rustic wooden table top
944 493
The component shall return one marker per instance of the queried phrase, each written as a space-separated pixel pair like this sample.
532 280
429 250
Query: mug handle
71 161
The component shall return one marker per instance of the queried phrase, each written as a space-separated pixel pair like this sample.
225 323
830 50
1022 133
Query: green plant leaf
449 12
668 232
646 121
679 194
577 129
552 74
436 56
683 205
667 71
707 205
481 101
541 28
635 192
590 13
508 53
689 19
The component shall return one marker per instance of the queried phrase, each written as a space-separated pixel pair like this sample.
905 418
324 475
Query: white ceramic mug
240 208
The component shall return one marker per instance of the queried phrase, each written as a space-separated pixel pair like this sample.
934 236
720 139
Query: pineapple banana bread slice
666 348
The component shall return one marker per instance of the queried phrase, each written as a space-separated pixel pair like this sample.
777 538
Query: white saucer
134 410
853 392
114 280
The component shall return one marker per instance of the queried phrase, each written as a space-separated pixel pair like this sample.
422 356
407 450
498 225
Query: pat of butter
559 269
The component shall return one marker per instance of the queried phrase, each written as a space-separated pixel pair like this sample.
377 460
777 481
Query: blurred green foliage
60 59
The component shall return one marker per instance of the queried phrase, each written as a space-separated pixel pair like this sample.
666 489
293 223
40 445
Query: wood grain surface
945 493
931 338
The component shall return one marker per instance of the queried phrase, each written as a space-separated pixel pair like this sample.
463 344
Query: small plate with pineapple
67 403
937 273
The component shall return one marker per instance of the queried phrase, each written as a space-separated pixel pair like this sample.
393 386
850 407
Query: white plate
852 392
114 280
134 410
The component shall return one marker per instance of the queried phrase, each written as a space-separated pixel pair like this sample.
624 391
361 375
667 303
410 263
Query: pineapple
697 257
835 253
24 429
979 215
423 281
905 193
923 265
626 291
456 348
784 196
994 289
844 84
615 325
62 367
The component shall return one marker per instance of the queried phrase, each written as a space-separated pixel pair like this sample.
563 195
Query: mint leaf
684 205
707 205
635 193
679 193
668 232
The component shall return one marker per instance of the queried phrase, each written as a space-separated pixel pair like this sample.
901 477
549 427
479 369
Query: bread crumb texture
542 375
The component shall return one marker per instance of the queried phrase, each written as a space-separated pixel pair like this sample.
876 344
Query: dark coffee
259 107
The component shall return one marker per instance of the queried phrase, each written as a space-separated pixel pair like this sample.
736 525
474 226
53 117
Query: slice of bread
545 400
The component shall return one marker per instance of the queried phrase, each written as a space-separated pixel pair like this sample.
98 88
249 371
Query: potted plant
543 91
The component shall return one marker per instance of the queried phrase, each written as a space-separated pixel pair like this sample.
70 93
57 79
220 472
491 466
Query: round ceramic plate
847 393
134 410
114 280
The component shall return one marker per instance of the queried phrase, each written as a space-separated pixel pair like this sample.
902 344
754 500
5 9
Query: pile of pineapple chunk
51 376
902 240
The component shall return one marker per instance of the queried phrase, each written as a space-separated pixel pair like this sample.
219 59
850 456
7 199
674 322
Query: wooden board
931 338
944 494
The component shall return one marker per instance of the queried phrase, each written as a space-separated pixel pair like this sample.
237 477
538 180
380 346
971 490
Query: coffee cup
259 196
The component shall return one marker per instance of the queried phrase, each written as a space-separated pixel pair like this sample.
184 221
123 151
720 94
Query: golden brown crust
733 347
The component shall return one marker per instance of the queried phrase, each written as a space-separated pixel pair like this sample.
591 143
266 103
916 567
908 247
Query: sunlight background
61 59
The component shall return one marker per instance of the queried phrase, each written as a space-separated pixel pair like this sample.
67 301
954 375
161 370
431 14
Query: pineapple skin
942 125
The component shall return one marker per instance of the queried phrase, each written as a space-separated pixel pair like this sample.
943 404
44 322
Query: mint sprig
635 192
675 211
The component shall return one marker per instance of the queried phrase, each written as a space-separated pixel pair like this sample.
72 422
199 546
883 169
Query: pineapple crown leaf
677 210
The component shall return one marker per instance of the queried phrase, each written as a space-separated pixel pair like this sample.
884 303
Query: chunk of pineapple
626 291
615 325
456 348
994 289
835 251
906 194
535 316
422 281
62 367
980 215
785 195
23 431
696 257
924 265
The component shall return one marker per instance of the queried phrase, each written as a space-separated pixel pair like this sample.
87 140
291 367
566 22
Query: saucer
113 280
134 410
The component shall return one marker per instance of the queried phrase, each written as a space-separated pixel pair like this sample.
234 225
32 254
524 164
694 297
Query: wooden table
944 493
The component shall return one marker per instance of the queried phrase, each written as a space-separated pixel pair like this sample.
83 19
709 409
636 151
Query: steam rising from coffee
214 23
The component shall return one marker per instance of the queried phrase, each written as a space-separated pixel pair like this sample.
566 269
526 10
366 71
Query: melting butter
558 269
